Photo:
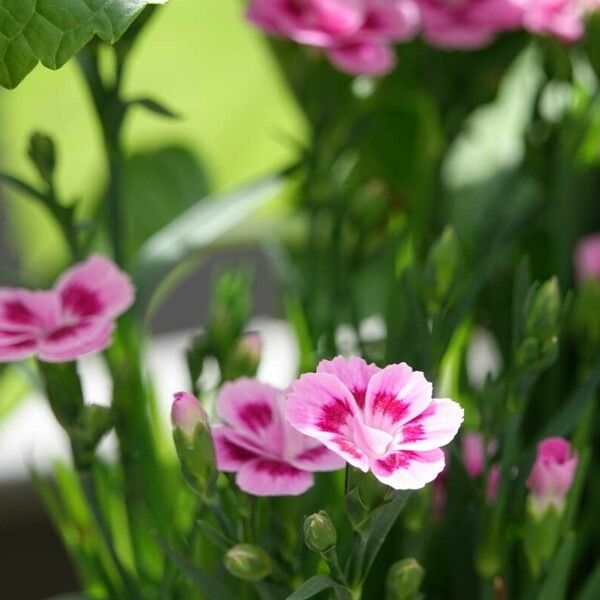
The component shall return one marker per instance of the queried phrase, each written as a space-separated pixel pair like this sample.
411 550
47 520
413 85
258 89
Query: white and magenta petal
395 396
95 288
322 407
254 409
353 372
268 477
433 428
408 470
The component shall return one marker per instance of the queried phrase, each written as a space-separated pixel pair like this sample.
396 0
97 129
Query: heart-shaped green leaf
51 32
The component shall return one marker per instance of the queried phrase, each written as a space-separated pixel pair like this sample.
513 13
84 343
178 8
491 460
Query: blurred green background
207 66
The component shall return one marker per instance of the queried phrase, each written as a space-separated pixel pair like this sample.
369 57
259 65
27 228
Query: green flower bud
544 312
319 532
441 269
248 562
243 361
404 580
193 441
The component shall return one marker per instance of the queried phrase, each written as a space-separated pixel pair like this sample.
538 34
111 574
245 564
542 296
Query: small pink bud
493 483
552 473
187 413
251 344
587 258
473 452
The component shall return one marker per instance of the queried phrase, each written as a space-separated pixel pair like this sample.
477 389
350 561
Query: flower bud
473 452
587 258
404 580
319 532
552 475
187 413
248 562
441 268
245 357
543 312
193 441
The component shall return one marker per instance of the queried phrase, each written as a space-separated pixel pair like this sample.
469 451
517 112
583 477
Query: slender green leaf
52 32
591 588
155 107
211 586
375 530
313 586
557 579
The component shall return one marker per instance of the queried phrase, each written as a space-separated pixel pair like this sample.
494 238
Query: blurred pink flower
563 19
357 35
552 473
187 413
473 452
75 318
384 420
587 258
270 457
467 23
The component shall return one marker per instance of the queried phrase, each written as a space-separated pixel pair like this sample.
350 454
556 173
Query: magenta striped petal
396 395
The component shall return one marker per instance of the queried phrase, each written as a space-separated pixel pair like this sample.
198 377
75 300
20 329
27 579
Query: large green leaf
51 32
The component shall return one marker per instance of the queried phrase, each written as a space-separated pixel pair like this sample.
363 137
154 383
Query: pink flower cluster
75 318
383 420
358 35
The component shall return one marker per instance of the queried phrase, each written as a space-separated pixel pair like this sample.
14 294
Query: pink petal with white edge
95 288
254 408
407 470
435 427
395 396
71 342
322 407
354 372
231 455
265 477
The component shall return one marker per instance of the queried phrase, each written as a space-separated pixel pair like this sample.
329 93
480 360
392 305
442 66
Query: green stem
331 558
111 112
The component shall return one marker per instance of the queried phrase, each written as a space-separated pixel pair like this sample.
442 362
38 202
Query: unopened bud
193 441
552 475
543 312
248 562
319 532
404 580
441 268
187 413
245 357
